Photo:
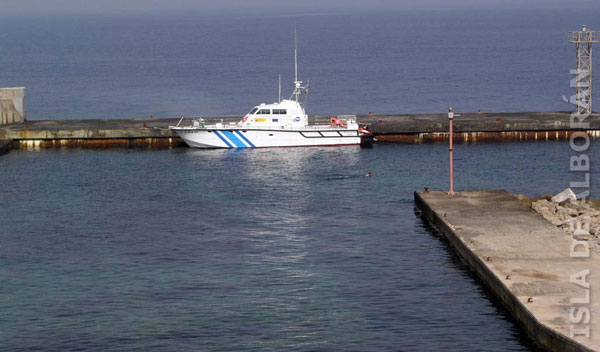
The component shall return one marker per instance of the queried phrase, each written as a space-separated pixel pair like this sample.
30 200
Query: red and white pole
451 137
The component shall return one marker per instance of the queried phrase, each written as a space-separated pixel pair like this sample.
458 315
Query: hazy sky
258 5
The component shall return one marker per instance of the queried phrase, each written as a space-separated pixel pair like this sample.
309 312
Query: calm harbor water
253 250
278 249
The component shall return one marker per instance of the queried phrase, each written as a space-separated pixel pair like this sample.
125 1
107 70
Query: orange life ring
245 118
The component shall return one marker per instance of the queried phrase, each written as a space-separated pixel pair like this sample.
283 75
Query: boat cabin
285 114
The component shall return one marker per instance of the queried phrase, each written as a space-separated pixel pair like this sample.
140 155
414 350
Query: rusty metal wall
105 143
408 138
474 137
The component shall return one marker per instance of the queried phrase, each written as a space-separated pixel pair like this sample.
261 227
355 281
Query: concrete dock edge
400 128
541 334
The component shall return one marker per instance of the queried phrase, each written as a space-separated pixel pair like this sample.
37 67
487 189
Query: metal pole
590 80
295 54
450 118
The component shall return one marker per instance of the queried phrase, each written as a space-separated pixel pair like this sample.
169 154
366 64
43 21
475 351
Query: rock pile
578 219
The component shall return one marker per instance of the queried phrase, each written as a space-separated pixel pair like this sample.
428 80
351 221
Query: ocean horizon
81 66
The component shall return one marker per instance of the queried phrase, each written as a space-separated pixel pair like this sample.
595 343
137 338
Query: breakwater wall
93 134
478 127
407 128
526 262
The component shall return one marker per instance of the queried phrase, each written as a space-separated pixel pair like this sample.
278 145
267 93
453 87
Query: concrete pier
417 128
525 261
109 133
477 127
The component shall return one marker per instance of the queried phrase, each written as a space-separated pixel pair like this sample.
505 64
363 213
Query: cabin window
279 111
253 111
264 112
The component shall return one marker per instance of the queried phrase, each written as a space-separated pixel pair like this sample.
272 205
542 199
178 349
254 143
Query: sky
94 6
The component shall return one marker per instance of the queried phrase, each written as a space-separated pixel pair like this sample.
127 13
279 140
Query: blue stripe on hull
223 139
244 138
235 140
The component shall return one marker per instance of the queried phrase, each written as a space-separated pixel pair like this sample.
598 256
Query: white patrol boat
281 124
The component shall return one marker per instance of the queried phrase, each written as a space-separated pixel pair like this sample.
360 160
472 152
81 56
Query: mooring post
450 118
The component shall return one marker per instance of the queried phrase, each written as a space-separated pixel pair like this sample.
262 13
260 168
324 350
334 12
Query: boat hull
254 138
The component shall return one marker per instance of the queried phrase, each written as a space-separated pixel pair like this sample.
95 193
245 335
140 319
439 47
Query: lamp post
450 118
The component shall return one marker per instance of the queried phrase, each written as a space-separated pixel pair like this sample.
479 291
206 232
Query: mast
279 95
297 83
295 55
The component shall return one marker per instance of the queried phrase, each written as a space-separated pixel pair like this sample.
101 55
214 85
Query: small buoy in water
369 174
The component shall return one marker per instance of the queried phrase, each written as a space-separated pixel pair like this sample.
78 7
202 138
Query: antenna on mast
295 54
279 95
297 84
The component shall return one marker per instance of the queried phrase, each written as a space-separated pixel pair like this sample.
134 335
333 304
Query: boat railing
318 124
197 121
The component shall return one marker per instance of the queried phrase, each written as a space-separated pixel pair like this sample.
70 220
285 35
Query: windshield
253 111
